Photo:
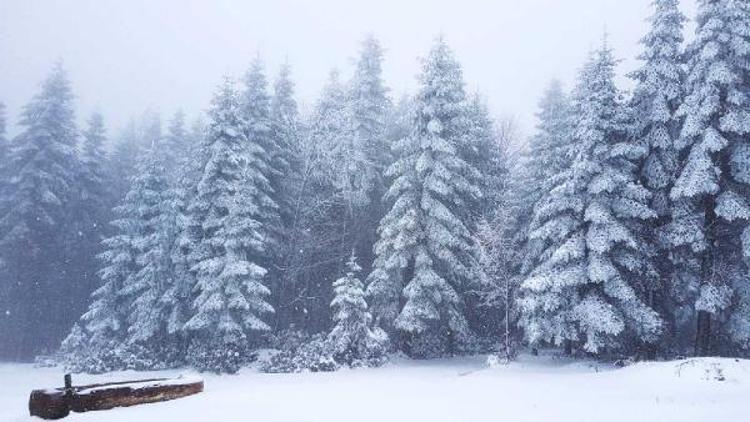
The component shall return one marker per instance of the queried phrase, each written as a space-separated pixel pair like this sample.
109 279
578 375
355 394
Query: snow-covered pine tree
93 159
75 351
370 155
332 137
353 340
122 161
231 297
255 109
175 145
105 321
398 122
370 105
288 133
550 152
285 121
152 239
482 151
588 286
658 94
92 204
425 254
710 231
178 295
36 221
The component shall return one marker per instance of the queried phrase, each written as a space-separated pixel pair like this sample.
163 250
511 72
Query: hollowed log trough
57 403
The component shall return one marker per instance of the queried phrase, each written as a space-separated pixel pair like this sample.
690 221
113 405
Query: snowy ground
539 389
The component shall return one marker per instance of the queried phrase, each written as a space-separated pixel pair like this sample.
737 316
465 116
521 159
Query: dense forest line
369 225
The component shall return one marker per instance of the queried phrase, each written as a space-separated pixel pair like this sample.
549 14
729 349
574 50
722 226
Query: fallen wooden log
57 403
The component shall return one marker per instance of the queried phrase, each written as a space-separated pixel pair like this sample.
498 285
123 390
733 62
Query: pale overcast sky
126 55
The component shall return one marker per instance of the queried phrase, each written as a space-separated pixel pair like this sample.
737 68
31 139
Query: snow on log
58 402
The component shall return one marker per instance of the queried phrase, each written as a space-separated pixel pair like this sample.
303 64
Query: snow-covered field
539 389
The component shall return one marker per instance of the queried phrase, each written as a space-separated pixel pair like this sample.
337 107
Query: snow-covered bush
217 355
312 355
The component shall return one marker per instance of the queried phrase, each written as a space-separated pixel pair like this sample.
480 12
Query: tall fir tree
93 201
123 161
425 254
549 154
255 106
175 146
178 295
285 122
256 111
152 239
658 94
588 285
711 194
481 149
105 321
35 224
288 132
230 306
370 149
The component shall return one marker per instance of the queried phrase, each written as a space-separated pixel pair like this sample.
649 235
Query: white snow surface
533 389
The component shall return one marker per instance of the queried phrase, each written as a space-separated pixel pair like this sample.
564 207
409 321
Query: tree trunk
703 334
58 403
568 348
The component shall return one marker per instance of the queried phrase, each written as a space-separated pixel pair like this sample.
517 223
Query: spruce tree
711 208
333 139
231 297
35 222
550 153
285 122
106 320
657 96
122 161
255 106
178 294
588 285
288 132
152 239
482 151
255 109
175 145
93 201
367 154
353 340
425 254
370 106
